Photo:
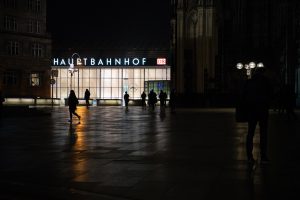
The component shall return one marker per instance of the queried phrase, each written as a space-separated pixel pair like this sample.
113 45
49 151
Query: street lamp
72 69
249 67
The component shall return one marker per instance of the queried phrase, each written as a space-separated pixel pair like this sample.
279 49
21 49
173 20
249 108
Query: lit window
35 79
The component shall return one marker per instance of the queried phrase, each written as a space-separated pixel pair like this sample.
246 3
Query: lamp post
72 69
249 67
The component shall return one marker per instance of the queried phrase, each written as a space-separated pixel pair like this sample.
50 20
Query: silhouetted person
143 96
73 102
2 100
87 95
126 99
162 99
172 102
152 99
257 96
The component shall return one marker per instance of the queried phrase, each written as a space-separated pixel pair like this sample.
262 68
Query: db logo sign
161 61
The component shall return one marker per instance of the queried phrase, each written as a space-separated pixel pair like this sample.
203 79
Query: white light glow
260 65
239 66
252 65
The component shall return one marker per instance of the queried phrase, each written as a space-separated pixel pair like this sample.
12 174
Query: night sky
115 22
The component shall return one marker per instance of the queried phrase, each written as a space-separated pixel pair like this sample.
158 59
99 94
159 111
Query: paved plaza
141 155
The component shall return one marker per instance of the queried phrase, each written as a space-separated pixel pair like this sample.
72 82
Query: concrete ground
141 155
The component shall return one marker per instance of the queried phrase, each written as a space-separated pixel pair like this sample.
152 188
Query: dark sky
93 22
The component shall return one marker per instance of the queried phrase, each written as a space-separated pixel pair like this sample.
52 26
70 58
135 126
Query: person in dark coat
126 99
257 96
143 96
73 102
87 95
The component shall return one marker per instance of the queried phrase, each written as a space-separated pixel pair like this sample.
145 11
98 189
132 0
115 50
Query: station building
108 78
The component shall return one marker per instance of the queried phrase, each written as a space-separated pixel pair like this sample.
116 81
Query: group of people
152 100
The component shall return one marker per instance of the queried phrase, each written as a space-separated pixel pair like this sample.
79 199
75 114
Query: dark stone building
25 49
244 31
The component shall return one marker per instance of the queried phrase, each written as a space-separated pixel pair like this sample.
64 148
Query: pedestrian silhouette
257 95
73 102
126 99
152 100
162 100
143 96
87 95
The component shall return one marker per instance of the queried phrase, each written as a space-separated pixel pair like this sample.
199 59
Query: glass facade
111 82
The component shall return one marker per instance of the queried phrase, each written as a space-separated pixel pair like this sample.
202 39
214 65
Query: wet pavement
142 155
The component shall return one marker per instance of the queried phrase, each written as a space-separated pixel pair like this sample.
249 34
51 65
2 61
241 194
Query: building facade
25 49
260 31
194 46
108 78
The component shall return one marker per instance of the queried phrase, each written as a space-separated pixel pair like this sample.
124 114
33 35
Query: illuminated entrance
111 82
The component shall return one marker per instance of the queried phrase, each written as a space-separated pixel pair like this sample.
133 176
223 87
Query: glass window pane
116 93
63 73
93 73
106 83
64 82
137 83
137 73
93 82
130 73
86 83
85 73
115 82
106 73
106 93
169 74
93 93
159 74
130 83
115 73
151 74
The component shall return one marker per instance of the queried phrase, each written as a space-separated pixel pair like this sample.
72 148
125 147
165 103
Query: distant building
25 49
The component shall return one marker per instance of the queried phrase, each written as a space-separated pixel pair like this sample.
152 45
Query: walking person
87 95
73 102
257 96
143 96
126 99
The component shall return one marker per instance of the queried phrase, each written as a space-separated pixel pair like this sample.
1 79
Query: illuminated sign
108 61
161 61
